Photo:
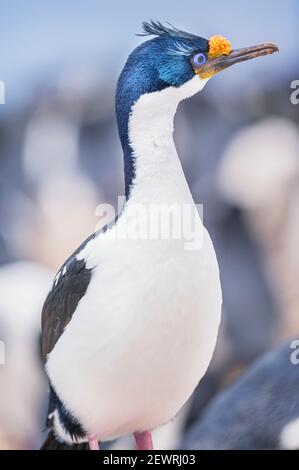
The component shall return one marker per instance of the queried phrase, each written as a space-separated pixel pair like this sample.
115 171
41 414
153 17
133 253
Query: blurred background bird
23 384
68 75
239 417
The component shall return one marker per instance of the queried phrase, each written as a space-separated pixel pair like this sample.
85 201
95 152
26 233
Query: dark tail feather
51 443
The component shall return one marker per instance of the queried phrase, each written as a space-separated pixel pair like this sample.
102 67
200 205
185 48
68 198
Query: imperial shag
130 325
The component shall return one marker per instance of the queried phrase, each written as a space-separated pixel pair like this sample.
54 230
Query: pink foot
93 443
144 440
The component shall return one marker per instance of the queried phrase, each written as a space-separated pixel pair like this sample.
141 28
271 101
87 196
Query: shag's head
173 57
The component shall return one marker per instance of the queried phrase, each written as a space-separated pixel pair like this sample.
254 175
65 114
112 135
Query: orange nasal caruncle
218 46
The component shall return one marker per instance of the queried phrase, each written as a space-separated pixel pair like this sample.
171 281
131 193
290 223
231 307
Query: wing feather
70 285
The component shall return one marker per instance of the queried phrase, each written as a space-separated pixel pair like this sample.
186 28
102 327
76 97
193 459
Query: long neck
158 174
153 172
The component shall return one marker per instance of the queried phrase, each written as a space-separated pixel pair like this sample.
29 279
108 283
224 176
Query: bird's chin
216 65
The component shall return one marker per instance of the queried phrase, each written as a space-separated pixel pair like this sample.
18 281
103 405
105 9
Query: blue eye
199 59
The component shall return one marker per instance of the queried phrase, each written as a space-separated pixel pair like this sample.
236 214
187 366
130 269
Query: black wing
69 287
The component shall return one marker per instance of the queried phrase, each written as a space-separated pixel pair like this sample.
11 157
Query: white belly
145 335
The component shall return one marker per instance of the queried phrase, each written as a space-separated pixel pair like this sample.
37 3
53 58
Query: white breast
143 335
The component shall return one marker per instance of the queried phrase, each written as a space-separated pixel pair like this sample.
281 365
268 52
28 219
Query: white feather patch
290 435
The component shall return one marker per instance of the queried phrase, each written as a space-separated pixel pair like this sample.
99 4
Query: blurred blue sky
39 38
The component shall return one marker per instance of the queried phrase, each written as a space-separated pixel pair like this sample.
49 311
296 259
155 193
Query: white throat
159 177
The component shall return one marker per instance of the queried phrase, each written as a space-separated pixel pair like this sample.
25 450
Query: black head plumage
156 28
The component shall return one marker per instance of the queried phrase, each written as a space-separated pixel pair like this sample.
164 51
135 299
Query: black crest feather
156 28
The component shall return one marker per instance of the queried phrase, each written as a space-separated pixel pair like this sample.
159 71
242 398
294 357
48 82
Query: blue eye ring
199 59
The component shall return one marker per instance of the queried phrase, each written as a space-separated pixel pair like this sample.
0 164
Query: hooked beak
215 65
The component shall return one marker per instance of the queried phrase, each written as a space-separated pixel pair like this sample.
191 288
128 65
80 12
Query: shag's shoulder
69 286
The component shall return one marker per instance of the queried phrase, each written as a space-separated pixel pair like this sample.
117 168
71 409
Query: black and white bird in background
259 411
130 324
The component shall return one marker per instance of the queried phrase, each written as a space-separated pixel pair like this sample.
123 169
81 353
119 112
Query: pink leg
144 440
93 443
